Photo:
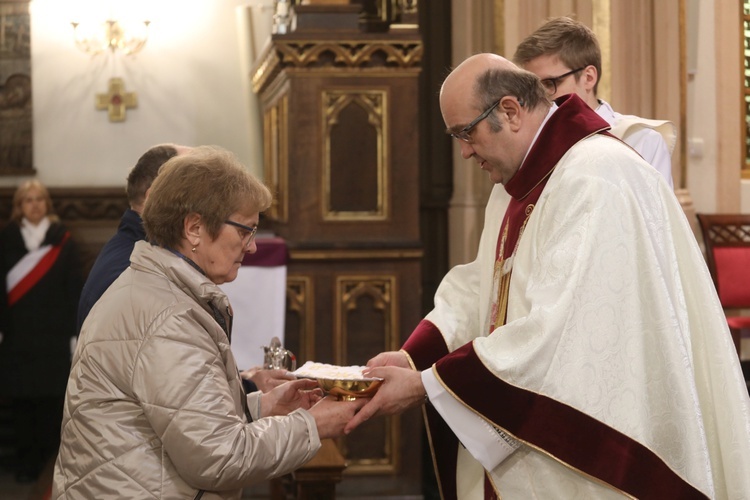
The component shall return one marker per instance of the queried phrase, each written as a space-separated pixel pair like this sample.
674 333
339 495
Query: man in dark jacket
115 255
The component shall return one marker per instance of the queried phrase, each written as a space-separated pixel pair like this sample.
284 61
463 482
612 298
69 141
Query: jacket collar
132 224
206 293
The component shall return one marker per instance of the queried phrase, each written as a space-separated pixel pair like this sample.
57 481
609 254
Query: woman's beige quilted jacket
154 405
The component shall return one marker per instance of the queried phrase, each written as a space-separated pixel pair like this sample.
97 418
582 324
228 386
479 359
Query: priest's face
497 150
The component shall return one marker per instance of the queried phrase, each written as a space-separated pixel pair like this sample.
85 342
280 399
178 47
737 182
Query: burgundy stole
572 122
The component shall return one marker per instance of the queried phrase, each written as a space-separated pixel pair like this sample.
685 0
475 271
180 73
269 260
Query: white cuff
486 443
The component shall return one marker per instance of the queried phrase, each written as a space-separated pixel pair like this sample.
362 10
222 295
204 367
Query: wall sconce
127 37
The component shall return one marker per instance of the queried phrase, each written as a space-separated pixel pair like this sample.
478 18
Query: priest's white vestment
614 369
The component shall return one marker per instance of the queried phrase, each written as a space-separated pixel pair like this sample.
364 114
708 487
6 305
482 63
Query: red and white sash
30 269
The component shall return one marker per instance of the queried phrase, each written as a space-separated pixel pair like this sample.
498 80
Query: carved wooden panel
355 180
350 136
365 314
365 305
344 306
299 326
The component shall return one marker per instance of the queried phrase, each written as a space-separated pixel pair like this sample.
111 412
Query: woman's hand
331 415
264 379
289 396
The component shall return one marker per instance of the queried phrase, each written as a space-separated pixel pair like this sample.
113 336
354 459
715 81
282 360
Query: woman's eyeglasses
246 233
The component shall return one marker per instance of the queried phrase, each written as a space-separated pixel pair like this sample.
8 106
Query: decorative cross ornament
116 100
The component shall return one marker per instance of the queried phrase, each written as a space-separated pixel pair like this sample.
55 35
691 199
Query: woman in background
41 268
155 406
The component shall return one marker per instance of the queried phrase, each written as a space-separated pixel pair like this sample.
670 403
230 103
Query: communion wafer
312 369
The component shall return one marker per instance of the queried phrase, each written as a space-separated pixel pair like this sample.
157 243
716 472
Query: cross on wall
116 101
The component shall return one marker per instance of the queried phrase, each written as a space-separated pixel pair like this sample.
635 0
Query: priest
584 353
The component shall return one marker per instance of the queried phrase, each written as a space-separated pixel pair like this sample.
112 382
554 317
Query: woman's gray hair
496 83
209 181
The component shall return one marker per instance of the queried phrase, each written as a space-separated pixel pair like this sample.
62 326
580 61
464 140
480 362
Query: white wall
191 79
701 112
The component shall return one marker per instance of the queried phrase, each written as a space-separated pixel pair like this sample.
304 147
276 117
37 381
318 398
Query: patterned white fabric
654 140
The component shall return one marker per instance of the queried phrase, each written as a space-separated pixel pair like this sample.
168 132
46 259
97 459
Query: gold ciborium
350 389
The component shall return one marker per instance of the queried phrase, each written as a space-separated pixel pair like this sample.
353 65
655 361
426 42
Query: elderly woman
155 406
42 272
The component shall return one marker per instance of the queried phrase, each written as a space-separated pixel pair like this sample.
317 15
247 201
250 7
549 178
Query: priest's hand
390 358
401 389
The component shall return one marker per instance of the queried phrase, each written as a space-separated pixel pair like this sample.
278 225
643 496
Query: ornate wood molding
336 56
276 157
77 204
323 254
300 302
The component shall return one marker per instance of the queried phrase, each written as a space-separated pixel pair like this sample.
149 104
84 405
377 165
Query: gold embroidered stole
501 274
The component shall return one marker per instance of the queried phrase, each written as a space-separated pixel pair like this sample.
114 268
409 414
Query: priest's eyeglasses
246 233
550 84
465 133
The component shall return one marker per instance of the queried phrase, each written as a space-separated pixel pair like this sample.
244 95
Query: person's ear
512 108
589 77
193 226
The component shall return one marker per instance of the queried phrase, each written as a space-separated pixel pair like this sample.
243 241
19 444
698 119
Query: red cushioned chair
727 240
